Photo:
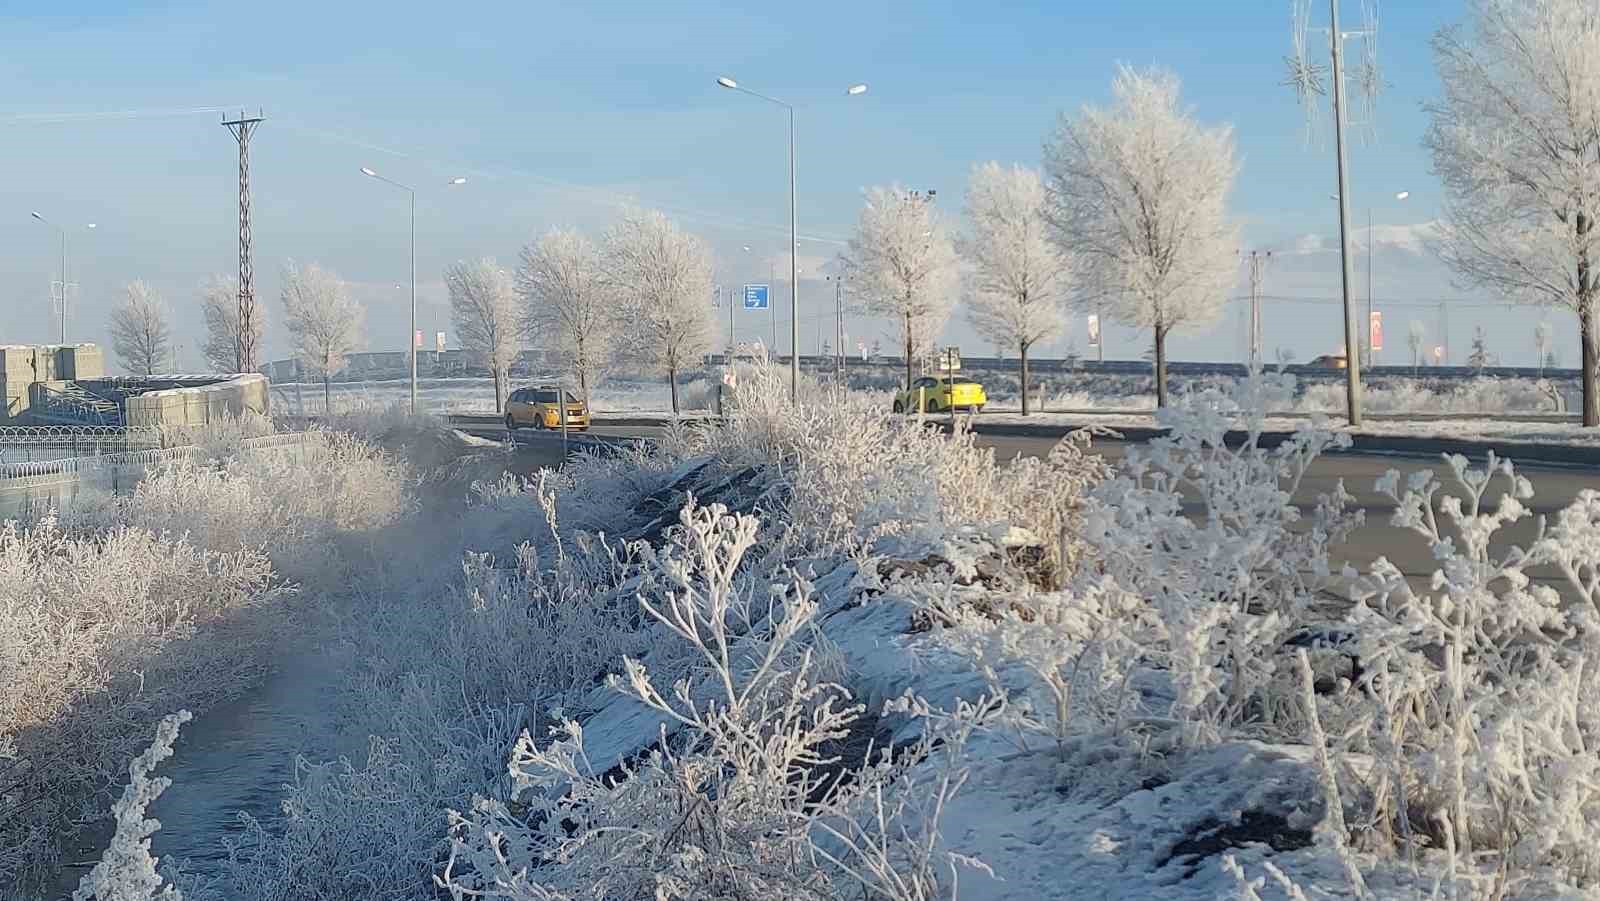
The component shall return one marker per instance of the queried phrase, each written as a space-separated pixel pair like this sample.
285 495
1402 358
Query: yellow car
538 407
939 395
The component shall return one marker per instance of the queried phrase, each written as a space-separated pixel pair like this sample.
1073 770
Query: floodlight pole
1352 349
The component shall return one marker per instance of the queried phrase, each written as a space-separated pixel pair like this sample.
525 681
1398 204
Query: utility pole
1352 353
838 322
1306 77
245 341
1444 332
1258 269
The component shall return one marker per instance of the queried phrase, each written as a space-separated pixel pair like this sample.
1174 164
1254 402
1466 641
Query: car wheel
511 423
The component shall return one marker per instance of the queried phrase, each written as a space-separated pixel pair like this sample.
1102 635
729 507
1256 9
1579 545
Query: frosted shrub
1076 647
127 872
727 804
852 473
1228 587
444 684
290 501
98 634
222 437
1477 711
372 421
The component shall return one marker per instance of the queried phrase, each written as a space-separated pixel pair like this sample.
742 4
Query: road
1554 489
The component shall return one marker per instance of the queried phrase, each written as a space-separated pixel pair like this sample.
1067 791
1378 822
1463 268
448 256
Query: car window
518 396
548 396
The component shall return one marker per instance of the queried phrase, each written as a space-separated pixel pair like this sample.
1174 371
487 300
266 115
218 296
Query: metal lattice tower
245 340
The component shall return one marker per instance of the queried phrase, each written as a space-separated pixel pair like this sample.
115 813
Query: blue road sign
755 297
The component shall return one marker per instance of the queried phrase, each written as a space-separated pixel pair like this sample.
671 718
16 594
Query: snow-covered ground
824 653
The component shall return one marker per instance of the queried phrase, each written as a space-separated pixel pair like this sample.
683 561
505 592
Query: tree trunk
499 389
327 395
583 385
672 379
1591 361
1022 353
1586 326
1161 366
908 352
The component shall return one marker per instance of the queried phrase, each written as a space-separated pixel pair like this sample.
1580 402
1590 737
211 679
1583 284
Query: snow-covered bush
220 436
850 473
99 633
1210 537
732 800
371 420
292 502
443 684
1473 704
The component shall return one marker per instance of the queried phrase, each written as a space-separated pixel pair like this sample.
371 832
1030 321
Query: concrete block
79 362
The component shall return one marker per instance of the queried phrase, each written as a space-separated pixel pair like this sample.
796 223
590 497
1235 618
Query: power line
55 118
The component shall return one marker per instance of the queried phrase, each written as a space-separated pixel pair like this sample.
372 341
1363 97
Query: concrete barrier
198 405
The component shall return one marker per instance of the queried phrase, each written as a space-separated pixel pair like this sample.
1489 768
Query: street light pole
1372 352
794 277
411 337
63 297
794 236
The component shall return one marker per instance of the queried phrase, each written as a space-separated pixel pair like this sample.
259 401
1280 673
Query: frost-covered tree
1017 284
487 320
140 334
219 306
324 321
1480 356
1137 199
1515 139
661 276
1414 335
901 265
567 305
1541 343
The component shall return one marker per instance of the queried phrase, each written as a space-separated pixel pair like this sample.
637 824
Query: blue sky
556 114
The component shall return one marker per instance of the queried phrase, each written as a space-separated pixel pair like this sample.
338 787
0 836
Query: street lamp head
727 82
459 180
36 215
368 172
856 89
747 248
91 225
1402 195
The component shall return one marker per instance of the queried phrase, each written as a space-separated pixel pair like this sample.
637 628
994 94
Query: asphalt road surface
1554 489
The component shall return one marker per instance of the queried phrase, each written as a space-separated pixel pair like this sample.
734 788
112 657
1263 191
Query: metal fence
27 488
26 444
